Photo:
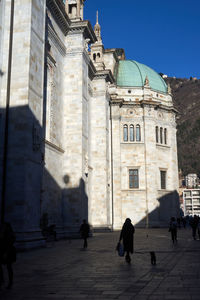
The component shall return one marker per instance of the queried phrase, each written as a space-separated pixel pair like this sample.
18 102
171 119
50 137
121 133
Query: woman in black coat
126 235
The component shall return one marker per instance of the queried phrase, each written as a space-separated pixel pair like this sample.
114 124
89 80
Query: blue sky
165 35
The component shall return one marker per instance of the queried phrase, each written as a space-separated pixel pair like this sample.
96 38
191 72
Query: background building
191 180
191 202
87 134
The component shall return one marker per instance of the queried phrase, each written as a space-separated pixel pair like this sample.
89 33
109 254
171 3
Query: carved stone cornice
158 105
57 9
84 27
105 74
116 101
91 70
56 40
168 108
150 102
50 60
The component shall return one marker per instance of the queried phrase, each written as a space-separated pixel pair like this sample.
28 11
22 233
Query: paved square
65 271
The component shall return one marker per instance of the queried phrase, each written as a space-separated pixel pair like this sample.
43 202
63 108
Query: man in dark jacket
84 230
194 224
126 235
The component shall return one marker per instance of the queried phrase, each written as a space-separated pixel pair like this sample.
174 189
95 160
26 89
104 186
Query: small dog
153 258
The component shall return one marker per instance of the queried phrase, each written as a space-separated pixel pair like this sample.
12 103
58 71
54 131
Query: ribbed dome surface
130 73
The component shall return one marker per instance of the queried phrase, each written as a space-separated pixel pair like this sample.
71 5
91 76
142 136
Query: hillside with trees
186 97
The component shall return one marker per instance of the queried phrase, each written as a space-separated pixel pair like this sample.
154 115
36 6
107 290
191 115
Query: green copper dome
129 73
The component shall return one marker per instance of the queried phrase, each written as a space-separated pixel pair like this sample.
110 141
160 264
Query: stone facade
65 156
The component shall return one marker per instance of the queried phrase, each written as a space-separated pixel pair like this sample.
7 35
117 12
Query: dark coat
126 235
7 249
84 230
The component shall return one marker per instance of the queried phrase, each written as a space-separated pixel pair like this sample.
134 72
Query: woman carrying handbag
126 236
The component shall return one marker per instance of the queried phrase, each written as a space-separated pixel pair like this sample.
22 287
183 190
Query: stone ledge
54 146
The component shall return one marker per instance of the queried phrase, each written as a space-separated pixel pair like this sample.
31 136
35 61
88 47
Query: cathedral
85 133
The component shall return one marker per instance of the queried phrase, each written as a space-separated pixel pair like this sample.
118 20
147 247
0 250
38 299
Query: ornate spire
97 28
97 17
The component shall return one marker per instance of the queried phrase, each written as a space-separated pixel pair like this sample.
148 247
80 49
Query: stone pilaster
24 165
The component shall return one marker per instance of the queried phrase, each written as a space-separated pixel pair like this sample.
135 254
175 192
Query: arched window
98 55
138 133
125 133
157 134
94 57
161 135
131 133
165 136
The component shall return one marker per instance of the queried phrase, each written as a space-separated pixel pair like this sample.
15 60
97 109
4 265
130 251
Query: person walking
7 252
173 229
84 230
126 235
194 224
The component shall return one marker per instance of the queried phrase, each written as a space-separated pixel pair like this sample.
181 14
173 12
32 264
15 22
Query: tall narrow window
138 133
163 180
125 133
165 136
161 135
157 134
131 133
133 179
48 107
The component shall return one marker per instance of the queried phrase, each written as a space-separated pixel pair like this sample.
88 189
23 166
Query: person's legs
85 243
194 232
127 257
1 275
172 235
175 235
10 274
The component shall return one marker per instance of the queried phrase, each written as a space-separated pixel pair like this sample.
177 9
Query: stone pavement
65 271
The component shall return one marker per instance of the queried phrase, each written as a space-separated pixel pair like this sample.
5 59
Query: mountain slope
186 98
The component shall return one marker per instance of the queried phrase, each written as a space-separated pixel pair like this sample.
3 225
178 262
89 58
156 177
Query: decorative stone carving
146 82
86 44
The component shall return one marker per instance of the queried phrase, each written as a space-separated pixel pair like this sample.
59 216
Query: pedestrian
126 235
7 252
194 223
84 230
183 219
173 229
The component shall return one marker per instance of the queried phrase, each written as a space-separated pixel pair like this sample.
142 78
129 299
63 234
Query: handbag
120 249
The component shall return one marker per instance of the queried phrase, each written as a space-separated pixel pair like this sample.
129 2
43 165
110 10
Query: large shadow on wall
31 190
169 206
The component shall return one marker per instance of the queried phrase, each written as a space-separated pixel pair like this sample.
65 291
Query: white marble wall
147 205
100 184
76 129
25 115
